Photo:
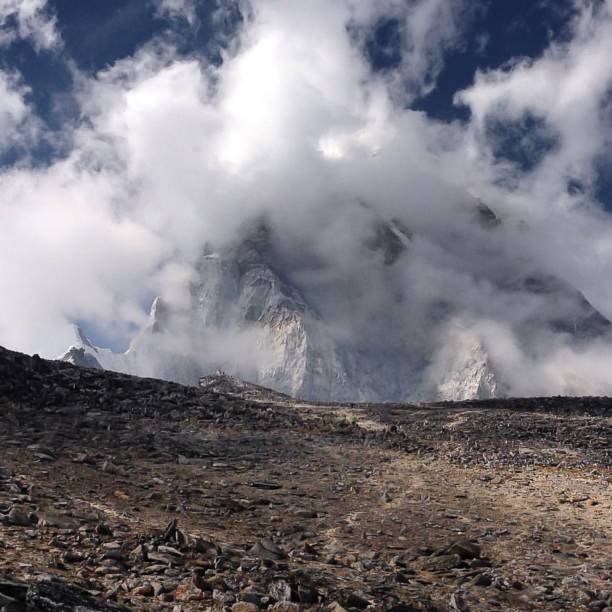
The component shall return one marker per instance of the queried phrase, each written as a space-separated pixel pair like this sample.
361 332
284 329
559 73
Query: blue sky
154 126
96 35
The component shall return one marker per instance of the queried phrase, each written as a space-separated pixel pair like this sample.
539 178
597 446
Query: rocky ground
126 493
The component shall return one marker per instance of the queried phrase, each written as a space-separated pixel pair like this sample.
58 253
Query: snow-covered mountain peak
287 318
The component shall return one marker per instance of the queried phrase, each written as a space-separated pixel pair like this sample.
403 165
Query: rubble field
120 493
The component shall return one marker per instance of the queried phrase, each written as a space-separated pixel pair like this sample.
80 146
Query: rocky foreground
137 494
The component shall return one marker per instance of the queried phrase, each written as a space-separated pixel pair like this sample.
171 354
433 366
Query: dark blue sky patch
49 84
603 181
575 187
97 34
523 142
384 44
10 157
500 30
46 73
36 155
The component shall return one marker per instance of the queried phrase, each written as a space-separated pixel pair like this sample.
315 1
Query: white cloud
568 88
173 152
19 127
32 19
66 255
13 109
427 30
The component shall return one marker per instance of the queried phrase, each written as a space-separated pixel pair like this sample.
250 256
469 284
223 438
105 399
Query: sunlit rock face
239 289
280 319
464 371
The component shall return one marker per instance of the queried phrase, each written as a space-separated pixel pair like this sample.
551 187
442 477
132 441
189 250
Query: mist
171 152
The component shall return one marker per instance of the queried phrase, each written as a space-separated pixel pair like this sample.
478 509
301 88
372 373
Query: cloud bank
171 152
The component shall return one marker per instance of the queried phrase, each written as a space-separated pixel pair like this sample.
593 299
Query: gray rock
266 549
280 591
465 549
20 517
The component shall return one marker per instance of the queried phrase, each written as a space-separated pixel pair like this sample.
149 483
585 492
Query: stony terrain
137 494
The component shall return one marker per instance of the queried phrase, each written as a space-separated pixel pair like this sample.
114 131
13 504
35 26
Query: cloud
567 91
28 19
66 255
172 152
568 87
185 9
14 111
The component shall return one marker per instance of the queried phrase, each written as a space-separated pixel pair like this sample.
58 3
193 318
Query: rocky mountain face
467 373
271 316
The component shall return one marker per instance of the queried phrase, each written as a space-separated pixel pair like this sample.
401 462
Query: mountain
150 354
277 315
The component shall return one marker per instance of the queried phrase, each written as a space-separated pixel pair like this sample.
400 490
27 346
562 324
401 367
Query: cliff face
255 316
240 289
464 370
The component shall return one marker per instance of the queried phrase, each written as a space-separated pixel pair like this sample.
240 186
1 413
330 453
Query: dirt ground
118 492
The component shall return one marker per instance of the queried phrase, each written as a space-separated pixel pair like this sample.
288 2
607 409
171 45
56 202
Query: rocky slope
273 315
138 494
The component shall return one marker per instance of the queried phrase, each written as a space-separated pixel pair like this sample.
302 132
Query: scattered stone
465 549
20 517
140 553
158 588
386 497
285 607
111 468
269 486
356 600
71 556
56 594
243 606
332 545
266 549
84 458
483 580
280 591
457 602
103 529
442 563
145 590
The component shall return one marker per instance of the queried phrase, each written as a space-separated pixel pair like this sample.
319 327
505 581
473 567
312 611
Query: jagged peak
80 357
159 314
81 340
